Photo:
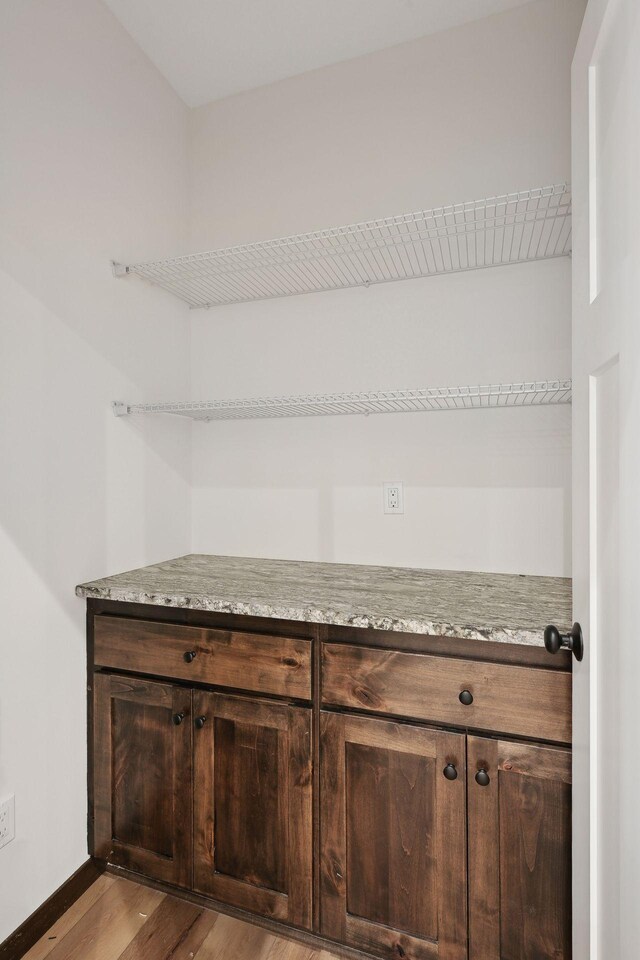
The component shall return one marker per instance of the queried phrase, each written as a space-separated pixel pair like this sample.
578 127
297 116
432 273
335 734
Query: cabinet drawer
225 658
523 701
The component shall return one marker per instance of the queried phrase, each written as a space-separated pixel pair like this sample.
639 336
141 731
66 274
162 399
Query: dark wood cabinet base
364 792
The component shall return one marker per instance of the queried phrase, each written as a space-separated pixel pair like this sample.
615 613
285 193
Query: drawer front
227 658
522 701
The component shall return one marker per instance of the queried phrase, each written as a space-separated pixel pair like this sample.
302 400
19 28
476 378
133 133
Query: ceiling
208 49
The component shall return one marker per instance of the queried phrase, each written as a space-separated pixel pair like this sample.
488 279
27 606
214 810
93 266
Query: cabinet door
519 851
253 805
142 776
393 836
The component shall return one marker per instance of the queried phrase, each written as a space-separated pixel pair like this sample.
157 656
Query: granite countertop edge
326 616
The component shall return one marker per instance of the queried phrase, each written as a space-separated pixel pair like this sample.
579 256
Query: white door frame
606 479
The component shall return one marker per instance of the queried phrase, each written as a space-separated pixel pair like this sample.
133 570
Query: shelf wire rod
161 280
315 273
421 255
410 249
495 230
327 274
374 258
335 272
183 290
523 231
346 261
527 238
564 236
270 281
414 252
241 283
208 288
512 235
310 270
505 234
483 242
399 261
330 274
354 268
198 286
538 241
205 292
547 235
528 224
458 249
283 277
554 237
259 283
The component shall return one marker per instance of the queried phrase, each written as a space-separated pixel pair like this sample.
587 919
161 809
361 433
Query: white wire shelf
538 393
513 228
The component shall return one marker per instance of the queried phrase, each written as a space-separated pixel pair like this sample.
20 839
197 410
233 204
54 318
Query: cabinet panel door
393 834
519 851
253 805
142 776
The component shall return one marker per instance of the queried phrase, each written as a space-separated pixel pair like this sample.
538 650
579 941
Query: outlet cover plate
7 820
393 496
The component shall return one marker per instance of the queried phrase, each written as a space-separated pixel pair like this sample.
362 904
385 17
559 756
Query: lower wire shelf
523 394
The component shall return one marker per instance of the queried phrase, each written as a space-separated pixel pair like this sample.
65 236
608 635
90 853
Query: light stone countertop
506 608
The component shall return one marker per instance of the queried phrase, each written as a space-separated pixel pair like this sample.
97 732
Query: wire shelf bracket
535 393
512 228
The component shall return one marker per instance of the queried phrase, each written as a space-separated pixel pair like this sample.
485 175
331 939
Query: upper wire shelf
512 228
538 393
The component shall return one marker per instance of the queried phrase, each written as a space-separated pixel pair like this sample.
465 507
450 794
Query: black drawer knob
190 656
466 697
482 778
450 772
200 722
555 641
178 718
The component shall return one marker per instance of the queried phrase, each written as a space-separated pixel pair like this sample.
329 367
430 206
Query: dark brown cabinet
253 805
142 796
393 828
384 799
216 797
519 851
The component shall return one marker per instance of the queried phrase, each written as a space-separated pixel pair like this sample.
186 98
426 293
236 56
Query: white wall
477 110
92 166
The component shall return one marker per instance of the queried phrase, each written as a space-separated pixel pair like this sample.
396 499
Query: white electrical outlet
393 499
7 820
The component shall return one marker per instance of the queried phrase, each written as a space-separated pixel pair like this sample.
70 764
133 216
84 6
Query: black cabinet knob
555 641
466 697
482 778
178 718
200 722
189 656
450 772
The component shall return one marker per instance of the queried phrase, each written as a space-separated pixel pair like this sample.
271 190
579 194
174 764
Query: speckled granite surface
483 606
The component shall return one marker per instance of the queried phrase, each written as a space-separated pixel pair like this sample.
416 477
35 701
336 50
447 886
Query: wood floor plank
118 919
290 950
176 928
107 927
232 939
63 924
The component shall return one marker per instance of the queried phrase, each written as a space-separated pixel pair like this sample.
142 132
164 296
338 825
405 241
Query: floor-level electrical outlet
7 820
393 499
